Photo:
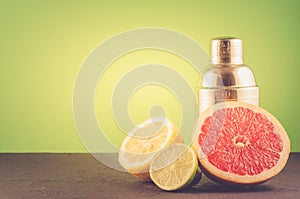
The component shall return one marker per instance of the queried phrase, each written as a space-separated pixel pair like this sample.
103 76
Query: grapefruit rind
224 176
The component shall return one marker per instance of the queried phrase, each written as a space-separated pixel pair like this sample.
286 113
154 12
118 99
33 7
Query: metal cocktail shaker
228 78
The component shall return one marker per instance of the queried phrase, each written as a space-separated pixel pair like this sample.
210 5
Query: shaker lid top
226 50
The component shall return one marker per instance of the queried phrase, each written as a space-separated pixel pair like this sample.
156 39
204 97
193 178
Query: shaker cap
228 70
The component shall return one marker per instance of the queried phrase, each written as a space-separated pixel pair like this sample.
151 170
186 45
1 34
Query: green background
44 43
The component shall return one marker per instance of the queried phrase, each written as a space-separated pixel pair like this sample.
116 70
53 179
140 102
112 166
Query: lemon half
144 142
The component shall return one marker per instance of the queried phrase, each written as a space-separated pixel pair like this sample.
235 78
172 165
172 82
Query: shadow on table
207 186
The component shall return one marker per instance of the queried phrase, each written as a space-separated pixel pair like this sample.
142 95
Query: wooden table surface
82 176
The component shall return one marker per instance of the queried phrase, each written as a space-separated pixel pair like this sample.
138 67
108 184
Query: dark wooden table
82 176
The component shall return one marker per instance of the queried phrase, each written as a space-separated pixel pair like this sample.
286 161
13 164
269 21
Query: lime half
175 167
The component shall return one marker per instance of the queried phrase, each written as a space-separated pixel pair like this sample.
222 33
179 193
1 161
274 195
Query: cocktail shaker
227 79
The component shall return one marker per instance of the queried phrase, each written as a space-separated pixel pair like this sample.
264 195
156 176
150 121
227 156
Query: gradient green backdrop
44 43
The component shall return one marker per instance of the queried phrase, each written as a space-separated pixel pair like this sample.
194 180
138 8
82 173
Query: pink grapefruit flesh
240 143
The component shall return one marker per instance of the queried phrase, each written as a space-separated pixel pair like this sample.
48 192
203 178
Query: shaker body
208 97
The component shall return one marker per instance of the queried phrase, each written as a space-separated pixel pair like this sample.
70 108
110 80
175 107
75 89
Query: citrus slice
240 143
143 142
175 167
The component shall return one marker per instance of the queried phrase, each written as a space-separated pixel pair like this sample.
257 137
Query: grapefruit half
239 143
